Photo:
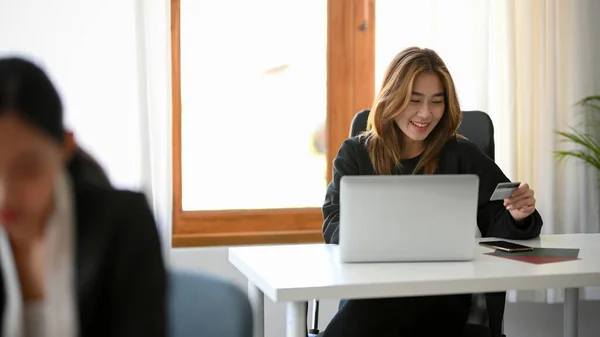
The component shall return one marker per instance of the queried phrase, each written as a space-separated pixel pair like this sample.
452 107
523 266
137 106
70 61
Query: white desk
297 274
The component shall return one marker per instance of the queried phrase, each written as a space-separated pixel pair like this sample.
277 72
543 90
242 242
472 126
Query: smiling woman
253 84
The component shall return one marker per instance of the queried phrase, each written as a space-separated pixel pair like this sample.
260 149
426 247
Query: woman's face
425 109
29 164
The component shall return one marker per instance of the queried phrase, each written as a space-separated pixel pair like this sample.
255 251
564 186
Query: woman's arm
494 220
345 163
138 284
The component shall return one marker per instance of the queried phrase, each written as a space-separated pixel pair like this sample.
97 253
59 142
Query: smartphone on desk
506 246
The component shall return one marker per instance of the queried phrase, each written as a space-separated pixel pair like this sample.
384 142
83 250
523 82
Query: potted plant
588 140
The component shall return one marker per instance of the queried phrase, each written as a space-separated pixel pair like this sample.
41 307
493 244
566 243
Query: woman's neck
412 148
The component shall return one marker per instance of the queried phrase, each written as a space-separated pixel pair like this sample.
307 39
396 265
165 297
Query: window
253 91
263 95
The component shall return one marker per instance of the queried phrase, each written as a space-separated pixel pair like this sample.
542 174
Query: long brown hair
385 140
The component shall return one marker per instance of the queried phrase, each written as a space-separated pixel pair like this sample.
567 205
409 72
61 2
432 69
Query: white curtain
525 63
559 70
154 80
554 53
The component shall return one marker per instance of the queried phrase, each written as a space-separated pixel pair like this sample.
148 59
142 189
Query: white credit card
504 190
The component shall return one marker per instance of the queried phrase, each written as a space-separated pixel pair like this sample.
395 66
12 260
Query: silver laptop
408 218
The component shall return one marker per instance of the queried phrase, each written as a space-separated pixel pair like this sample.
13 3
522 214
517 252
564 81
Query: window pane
253 86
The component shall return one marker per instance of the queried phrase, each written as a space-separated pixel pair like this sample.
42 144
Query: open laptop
408 218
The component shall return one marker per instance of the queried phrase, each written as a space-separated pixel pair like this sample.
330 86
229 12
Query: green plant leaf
565 155
591 147
589 98
589 144
585 139
589 102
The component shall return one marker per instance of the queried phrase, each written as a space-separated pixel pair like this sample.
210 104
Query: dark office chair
487 311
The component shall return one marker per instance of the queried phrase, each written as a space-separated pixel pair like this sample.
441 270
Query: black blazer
120 273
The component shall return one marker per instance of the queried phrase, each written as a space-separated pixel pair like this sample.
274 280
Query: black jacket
120 273
457 157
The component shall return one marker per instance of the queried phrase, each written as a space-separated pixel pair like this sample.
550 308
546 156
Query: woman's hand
28 246
29 261
521 204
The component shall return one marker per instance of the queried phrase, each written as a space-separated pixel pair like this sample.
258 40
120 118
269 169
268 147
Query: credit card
504 190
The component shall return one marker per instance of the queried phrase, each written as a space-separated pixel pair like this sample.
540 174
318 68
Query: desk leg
571 318
257 301
296 319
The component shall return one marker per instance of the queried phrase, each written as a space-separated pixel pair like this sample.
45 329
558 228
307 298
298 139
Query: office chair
205 306
487 311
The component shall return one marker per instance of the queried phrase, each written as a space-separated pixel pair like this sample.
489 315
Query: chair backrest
476 126
202 305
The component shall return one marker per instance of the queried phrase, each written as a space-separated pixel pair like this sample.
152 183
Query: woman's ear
69 146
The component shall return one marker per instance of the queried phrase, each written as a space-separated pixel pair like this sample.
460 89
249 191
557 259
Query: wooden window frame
350 88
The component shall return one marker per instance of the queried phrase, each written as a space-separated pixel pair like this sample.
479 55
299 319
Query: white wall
521 319
89 49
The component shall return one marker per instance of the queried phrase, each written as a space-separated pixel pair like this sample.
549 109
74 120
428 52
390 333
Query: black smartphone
506 246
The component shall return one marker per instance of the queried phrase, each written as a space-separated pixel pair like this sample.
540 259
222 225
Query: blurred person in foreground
77 257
